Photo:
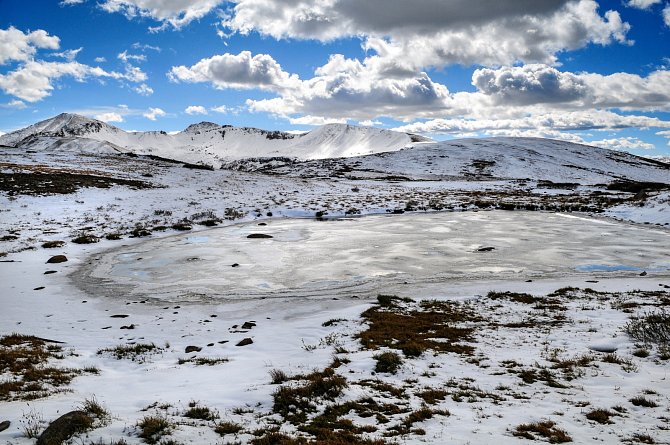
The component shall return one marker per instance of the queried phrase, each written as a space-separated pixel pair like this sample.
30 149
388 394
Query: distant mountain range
348 151
207 143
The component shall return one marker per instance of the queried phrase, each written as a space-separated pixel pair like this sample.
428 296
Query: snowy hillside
493 158
206 142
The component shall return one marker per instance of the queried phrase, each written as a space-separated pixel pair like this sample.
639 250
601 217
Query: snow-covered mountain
485 159
206 142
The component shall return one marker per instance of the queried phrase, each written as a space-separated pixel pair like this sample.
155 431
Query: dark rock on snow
65 427
57 259
245 342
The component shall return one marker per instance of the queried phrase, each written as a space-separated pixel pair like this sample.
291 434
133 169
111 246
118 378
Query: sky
586 71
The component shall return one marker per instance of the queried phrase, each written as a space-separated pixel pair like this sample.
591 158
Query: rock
65 427
486 249
643 274
4 425
604 348
235 265
57 259
49 272
39 288
130 326
259 235
248 324
245 342
190 349
119 316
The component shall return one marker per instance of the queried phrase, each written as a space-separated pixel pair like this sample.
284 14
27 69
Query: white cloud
437 33
221 109
144 90
195 109
241 71
124 56
624 143
175 13
153 113
642 4
69 54
556 121
17 104
71 2
370 123
33 81
529 84
17 45
666 15
109 117
145 47
100 60
315 120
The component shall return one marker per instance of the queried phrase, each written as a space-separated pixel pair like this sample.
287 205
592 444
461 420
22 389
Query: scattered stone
235 265
4 425
259 235
39 288
209 345
190 349
119 316
49 272
486 249
248 324
86 239
57 259
245 342
262 224
65 427
604 348
643 274
223 342
130 326
53 244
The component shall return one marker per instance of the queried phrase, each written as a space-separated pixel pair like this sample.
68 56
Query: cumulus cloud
153 113
315 120
241 71
100 60
109 117
170 13
20 46
624 143
642 4
195 109
435 33
71 2
69 54
144 90
666 16
556 121
17 104
33 81
529 84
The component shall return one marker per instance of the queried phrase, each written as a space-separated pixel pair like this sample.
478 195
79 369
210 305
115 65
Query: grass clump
650 328
52 244
295 402
601 416
387 362
643 402
153 428
100 415
24 364
199 412
137 352
545 429
203 361
225 428
433 325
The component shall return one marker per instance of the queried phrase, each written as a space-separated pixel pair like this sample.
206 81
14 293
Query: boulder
259 236
57 259
65 427
4 425
190 349
245 342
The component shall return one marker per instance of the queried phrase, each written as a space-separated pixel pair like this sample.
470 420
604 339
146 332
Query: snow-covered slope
494 158
206 142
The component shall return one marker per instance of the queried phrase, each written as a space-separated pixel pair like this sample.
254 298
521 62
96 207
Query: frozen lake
362 256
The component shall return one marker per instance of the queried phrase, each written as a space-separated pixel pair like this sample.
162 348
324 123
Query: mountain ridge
207 142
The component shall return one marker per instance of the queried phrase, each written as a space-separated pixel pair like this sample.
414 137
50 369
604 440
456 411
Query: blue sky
580 70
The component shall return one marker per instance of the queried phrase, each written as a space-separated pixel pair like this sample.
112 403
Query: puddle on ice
365 255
